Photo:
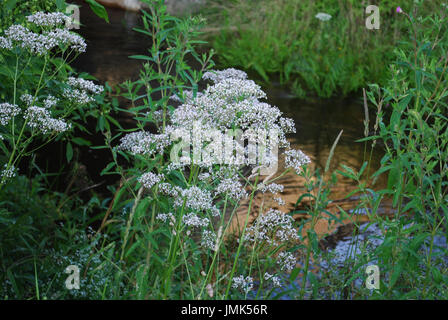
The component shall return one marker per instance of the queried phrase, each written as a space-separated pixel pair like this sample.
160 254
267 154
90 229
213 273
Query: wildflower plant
40 94
189 165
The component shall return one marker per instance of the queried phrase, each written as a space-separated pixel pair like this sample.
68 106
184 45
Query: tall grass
283 38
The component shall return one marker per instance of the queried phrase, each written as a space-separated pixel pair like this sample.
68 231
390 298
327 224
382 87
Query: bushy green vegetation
283 38
13 11
164 229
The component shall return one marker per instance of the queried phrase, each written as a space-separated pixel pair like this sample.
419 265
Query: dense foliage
317 47
177 225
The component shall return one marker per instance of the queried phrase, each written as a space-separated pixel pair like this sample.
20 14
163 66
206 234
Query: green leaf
98 9
69 152
60 4
396 273
294 274
393 178
10 4
107 169
81 141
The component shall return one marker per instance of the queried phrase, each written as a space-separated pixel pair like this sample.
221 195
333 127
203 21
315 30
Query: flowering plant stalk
39 94
179 230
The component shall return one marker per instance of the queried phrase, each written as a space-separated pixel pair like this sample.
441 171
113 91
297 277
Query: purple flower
399 10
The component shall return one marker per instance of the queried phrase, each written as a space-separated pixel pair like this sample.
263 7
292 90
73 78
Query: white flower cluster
208 239
286 260
27 99
204 176
187 96
235 89
41 43
280 201
7 112
80 90
295 159
219 75
39 118
85 85
144 143
167 217
275 280
167 189
8 173
193 220
149 179
273 188
323 16
232 188
5 43
272 227
51 19
195 199
246 284
231 102
50 102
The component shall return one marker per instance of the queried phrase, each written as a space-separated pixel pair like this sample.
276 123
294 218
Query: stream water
318 122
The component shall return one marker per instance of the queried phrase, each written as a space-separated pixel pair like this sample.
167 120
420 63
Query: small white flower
275 280
208 239
219 75
193 220
323 16
280 201
195 199
244 283
144 143
272 227
39 118
51 19
166 217
41 43
273 188
149 179
232 188
8 173
50 102
27 99
295 159
286 260
5 43
7 112
86 85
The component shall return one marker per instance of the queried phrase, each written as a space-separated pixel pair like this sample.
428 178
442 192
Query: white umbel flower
51 19
149 179
8 173
39 118
286 260
219 75
296 159
323 16
244 283
7 112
